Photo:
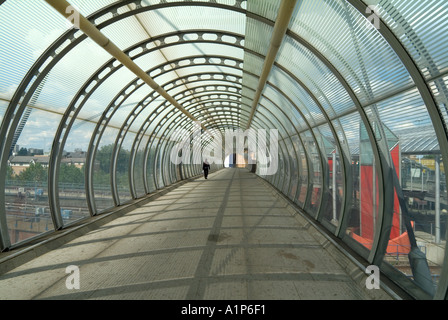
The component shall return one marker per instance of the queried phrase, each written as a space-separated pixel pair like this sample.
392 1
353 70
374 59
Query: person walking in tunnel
205 168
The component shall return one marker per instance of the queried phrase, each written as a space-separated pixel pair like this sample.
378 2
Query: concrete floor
228 237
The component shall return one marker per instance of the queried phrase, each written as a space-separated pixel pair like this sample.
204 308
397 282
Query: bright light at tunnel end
254 147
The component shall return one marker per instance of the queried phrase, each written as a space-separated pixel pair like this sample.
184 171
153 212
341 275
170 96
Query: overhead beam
149 37
98 37
281 25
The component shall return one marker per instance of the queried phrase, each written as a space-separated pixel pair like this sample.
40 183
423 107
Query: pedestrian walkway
228 237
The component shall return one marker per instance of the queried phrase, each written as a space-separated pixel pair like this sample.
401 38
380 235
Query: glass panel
355 48
303 172
69 74
316 76
419 26
150 170
255 42
29 39
279 176
73 163
3 106
87 7
418 229
287 180
139 166
101 170
424 188
439 89
26 189
266 122
267 8
166 162
158 166
316 173
360 216
368 191
294 174
122 171
332 209
189 17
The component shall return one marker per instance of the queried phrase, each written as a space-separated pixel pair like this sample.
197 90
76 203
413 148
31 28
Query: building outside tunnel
92 94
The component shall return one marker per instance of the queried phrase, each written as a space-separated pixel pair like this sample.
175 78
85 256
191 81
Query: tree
9 174
104 158
22 152
34 173
104 155
71 174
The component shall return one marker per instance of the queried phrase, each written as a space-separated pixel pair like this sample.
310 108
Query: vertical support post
374 205
437 199
334 186
421 169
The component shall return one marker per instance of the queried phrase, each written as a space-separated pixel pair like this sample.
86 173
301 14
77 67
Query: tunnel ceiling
335 60
338 77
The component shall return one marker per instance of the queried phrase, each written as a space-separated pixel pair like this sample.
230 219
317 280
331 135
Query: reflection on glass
418 253
72 195
26 188
352 130
316 173
122 167
303 178
139 166
150 171
122 174
101 173
26 198
294 170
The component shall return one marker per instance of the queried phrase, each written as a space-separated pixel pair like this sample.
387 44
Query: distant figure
205 167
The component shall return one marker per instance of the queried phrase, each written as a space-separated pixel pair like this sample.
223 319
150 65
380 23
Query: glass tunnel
351 97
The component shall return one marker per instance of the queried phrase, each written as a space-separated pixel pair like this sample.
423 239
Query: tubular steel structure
94 93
